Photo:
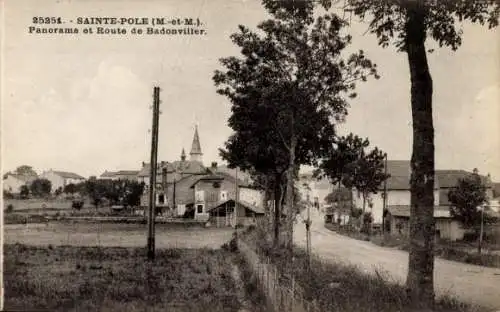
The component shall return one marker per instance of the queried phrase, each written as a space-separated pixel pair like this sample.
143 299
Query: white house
251 196
12 182
398 191
315 189
61 178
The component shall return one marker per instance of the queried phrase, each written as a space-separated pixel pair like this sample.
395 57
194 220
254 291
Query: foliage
70 188
368 172
466 197
338 164
349 163
40 187
26 171
407 24
7 195
10 208
118 192
77 204
443 20
356 213
58 191
291 71
24 191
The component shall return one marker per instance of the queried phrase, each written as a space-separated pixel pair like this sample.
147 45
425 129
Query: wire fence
282 291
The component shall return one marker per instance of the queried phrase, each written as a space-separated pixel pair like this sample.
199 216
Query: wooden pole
480 242
236 201
385 197
152 177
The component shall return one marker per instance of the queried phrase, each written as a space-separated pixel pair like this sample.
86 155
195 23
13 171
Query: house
59 179
119 175
226 201
398 190
314 190
13 182
174 180
340 206
448 179
446 227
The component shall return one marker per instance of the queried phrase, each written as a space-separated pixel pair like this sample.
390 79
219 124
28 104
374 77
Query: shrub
470 237
77 204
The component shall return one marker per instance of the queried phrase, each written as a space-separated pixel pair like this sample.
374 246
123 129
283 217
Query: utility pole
308 226
236 201
152 177
385 196
480 241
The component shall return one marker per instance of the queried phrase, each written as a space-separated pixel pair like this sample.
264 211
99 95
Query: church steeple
195 154
183 155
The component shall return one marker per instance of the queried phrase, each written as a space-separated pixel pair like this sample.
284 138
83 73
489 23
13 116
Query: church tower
196 154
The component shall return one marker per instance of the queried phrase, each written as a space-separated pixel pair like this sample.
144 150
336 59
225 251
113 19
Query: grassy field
69 278
114 235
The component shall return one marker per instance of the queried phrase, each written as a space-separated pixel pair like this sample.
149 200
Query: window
223 195
161 199
200 196
199 208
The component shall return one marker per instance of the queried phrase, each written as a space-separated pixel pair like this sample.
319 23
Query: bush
470 237
77 204
10 208
7 195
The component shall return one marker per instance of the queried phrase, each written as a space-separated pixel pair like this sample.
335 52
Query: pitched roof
196 147
404 211
220 176
449 178
256 209
68 175
179 167
243 176
400 174
108 174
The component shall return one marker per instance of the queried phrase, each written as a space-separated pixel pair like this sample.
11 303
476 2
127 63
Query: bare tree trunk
290 216
420 284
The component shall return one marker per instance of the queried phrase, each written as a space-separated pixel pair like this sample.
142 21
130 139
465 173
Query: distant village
186 187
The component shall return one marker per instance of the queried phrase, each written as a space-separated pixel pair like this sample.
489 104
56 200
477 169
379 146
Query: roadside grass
70 278
253 292
454 251
339 287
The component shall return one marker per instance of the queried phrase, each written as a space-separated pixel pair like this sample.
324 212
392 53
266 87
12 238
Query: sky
82 103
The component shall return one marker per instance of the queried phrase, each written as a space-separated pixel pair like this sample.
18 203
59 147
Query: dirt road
470 283
113 235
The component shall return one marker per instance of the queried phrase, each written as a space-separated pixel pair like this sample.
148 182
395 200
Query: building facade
59 179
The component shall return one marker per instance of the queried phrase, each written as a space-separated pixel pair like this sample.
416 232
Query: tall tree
368 173
407 24
291 72
337 164
258 150
466 198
